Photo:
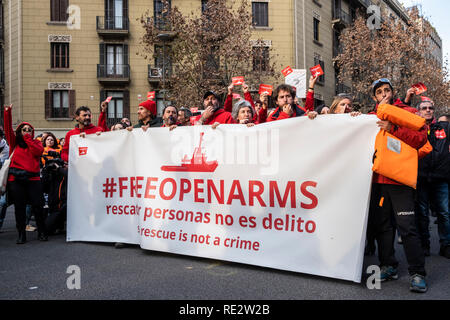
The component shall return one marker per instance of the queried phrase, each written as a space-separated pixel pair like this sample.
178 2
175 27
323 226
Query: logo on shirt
440 134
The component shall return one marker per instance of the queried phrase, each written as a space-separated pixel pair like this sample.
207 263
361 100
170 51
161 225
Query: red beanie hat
150 105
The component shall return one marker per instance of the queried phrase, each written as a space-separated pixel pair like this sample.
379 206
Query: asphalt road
38 270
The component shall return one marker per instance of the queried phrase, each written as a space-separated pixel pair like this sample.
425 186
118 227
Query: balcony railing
113 25
113 73
155 74
341 17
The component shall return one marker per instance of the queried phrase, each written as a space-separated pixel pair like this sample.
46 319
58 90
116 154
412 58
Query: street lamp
164 37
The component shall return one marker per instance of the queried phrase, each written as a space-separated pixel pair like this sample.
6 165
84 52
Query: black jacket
436 165
154 123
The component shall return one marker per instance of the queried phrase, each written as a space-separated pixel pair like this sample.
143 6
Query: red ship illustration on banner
197 163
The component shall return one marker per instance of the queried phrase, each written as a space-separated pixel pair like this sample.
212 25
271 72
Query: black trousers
26 192
391 207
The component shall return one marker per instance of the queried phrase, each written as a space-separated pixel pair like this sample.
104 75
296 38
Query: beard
85 122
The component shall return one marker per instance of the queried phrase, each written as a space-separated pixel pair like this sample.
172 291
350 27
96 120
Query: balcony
155 74
113 27
118 74
341 18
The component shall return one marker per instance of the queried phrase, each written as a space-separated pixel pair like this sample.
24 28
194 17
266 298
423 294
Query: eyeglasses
427 108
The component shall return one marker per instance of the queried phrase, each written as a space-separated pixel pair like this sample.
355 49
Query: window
118 107
163 59
260 14
59 55
260 58
58 10
59 104
116 14
316 29
160 14
114 60
115 106
204 5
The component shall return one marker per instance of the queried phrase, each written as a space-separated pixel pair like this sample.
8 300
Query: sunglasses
427 108
382 80
27 130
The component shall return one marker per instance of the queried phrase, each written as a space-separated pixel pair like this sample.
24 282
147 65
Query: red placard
108 99
82 151
419 88
265 88
316 71
237 81
286 71
194 110
150 95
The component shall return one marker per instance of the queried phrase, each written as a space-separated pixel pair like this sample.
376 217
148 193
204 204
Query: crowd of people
38 168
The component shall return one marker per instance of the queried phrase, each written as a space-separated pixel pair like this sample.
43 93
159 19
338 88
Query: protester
4 155
343 103
170 117
61 142
259 114
54 184
184 117
126 122
213 111
284 99
24 183
147 115
51 149
118 126
83 127
391 200
432 182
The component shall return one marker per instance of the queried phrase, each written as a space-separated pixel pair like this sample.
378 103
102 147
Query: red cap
149 105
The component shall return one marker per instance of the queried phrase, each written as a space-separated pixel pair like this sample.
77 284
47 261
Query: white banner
297 79
290 195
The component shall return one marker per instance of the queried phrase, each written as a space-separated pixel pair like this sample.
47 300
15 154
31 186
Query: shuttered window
58 10
260 14
59 104
59 55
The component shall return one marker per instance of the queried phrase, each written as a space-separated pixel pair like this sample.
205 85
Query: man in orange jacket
391 201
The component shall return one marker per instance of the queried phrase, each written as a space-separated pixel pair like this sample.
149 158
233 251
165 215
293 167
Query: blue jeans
436 194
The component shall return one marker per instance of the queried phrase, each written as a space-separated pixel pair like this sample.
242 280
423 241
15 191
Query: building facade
60 54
